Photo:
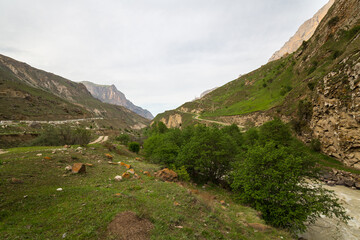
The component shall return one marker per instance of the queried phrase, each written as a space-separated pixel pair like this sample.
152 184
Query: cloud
160 53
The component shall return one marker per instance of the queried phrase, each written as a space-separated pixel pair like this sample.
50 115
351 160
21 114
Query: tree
123 138
276 182
134 147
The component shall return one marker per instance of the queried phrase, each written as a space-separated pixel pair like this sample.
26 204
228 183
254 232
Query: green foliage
274 181
275 131
134 147
182 173
57 136
311 85
315 145
123 138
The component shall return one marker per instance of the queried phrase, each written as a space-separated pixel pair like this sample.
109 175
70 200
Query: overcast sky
159 53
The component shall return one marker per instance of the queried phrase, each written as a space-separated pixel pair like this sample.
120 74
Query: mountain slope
305 31
110 94
317 87
53 93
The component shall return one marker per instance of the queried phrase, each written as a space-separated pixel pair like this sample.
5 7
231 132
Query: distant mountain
33 94
305 31
110 94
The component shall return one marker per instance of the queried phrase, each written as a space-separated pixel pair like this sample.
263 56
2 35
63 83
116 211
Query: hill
110 94
316 87
33 94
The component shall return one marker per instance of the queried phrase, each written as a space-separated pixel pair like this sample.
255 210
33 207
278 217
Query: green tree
276 131
123 138
134 147
274 181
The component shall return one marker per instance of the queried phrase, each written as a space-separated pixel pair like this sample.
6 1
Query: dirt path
12 122
197 117
2 151
100 139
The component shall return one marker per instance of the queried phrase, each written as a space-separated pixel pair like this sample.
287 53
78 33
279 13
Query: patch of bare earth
128 226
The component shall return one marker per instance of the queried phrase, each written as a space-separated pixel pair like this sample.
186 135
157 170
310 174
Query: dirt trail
100 139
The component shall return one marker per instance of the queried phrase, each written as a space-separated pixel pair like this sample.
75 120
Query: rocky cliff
305 31
110 94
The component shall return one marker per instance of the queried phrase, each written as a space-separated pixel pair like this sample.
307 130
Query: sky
159 53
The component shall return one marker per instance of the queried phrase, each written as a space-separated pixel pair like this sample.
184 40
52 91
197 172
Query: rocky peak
304 33
110 94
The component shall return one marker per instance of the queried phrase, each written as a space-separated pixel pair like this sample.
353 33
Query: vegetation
62 135
134 147
123 138
265 168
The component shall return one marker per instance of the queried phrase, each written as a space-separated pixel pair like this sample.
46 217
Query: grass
87 204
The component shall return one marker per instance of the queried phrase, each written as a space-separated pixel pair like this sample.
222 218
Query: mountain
305 31
207 91
33 94
110 94
316 89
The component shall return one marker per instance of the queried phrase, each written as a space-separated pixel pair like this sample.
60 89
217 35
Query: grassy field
34 209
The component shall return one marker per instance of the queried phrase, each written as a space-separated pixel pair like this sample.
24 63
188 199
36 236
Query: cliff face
304 33
110 94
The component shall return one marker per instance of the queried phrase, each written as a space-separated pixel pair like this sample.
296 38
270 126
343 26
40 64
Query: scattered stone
67 146
68 168
147 173
128 166
349 182
79 148
132 171
176 204
118 194
109 156
138 159
113 163
78 168
47 158
64 235
167 175
25 196
118 178
222 202
89 164
357 185
126 175
59 189
39 154
53 152
223 207
258 226
330 183
16 180
136 176
180 227
92 148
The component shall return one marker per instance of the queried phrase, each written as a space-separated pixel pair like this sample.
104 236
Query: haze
159 53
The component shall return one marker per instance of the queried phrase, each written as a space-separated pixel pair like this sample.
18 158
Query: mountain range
110 94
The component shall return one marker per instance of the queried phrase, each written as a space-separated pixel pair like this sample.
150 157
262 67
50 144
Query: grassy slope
36 105
88 203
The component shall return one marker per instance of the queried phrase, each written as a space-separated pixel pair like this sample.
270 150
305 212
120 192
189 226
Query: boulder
118 178
132 171
349 182
68 168
126 175
47 158
109 156
128 166
167 175
16 180
79 168
147 173
357 185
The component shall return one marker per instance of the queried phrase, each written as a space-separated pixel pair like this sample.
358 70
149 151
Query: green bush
275 182
276 131
315 145
134 147
57 136
182 173
123 138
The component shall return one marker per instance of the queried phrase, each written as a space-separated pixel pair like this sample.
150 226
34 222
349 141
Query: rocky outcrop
304 33
110 94
172 121
336 113
337 177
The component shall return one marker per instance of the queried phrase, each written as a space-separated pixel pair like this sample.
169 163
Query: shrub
182 173
333 21
311 85
276 131
57 136
315 145
123 138
134 147
275 182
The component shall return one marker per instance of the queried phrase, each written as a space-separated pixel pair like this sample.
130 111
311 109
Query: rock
138 159
39 154
59 189
222 202
340 182
118 178
167 175
132 171
35 125
147 173
89 164
349 182
258 226
109 156
126 175
47 158
136 176
113 163
357 185
68 168
128 166
330 183
78 168
16 180
176 204
67 146
118 194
